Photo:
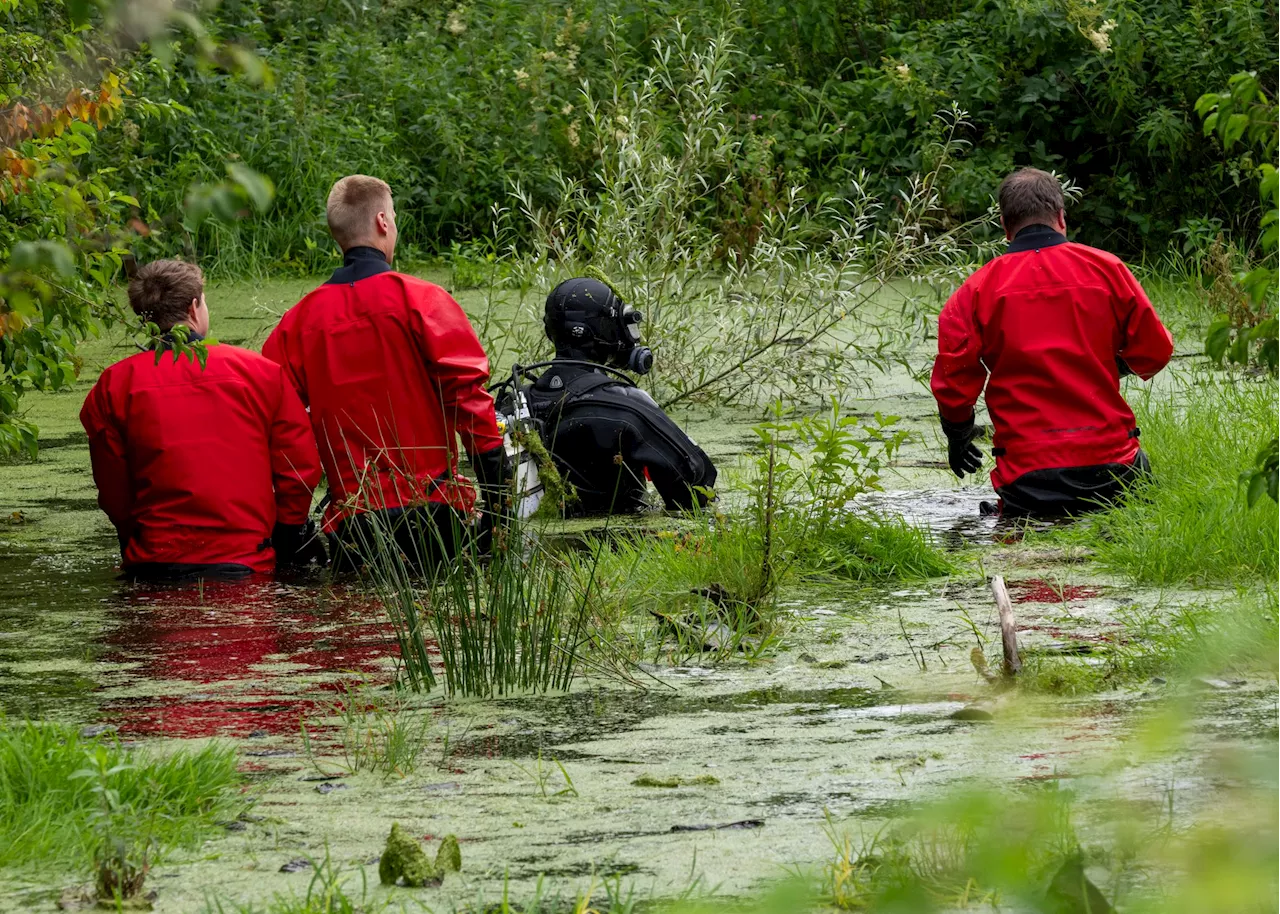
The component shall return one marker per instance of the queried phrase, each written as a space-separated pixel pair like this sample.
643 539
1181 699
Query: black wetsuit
606 436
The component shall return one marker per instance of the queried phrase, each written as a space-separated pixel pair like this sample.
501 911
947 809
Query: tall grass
511 624
61 795
1190 523
505 621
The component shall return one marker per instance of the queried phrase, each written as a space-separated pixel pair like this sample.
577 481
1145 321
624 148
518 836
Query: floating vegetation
404 862
702 780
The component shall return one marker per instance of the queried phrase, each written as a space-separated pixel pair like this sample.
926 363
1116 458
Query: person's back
383 420
391 370
608 437
200 466
1048 328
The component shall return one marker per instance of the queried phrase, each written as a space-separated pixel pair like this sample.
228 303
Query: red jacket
392 370
1046 322
197 465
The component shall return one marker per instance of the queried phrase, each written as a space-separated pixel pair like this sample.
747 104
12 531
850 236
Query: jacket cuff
955 430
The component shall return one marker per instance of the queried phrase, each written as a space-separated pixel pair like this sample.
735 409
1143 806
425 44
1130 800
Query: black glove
298 545
1123 367
493 476
962 454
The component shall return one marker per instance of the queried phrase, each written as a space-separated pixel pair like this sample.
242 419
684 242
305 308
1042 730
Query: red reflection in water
1037 591
253 647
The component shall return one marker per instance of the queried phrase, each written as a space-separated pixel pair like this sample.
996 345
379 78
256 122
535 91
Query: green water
851 717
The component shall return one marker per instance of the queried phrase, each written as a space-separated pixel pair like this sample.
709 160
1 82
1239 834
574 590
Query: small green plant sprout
379 733
404 862
541 776
124 844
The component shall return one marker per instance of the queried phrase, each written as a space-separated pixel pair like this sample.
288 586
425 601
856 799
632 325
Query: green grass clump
61 795
1239 636
867 547
1190 523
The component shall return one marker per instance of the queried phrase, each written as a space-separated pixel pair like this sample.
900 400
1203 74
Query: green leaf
1234 129
1257 485
1217 339
258 187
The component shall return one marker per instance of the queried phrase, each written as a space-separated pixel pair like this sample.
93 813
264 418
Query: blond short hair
354 202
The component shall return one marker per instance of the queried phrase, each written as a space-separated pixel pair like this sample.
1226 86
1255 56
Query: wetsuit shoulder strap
550 401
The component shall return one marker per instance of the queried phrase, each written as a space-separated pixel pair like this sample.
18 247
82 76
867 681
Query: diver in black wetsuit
607 436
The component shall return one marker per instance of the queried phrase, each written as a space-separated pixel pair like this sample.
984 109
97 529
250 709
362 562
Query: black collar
1034 237
357 264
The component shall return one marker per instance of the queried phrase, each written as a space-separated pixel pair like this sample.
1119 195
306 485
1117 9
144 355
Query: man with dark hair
205 471
1048 328
608 437
392 371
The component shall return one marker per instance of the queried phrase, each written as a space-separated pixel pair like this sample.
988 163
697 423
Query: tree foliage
67 71
1244 114
457 103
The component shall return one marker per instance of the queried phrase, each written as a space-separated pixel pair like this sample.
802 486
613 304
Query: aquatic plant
378 732
73 801
541 776
710 583
327 893
506 620
825 463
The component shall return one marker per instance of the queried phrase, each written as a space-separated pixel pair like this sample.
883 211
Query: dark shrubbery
455 104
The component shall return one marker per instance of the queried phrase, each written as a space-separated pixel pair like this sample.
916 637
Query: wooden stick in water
1008 631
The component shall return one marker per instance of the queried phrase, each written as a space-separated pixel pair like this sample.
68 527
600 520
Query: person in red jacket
1048 328
392 371
205 470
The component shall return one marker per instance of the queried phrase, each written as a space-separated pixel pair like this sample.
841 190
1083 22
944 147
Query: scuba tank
516 428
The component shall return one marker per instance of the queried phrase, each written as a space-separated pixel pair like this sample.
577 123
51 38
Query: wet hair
354 202
1029 195
162 291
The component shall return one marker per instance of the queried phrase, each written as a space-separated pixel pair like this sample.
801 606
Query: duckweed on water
648 780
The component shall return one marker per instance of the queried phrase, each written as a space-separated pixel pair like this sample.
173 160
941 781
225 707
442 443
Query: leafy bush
456 104
67 90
